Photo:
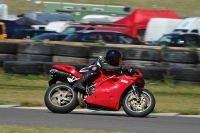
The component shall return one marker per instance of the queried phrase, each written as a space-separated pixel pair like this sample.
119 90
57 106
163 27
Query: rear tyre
139 109
61 98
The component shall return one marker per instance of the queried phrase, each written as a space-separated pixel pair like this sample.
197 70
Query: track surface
78 120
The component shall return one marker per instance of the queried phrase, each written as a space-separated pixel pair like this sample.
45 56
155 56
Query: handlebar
130 71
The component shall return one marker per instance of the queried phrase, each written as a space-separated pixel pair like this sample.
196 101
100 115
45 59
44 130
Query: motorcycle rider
109 63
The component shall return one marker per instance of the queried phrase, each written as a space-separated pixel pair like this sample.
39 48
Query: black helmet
113 57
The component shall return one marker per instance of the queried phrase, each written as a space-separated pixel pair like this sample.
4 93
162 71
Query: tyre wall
37 58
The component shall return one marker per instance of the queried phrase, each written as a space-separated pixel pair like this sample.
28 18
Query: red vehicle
72 28
110 91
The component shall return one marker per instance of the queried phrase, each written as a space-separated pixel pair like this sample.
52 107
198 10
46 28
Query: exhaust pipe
60 73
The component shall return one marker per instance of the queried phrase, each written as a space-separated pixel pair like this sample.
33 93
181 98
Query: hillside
181 7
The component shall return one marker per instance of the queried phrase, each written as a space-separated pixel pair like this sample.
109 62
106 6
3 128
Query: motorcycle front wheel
139 108
61 98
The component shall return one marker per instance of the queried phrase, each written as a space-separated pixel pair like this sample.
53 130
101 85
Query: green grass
180 98
24 129
181 7
29 91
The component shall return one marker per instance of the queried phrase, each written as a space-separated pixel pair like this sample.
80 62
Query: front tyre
140 108
61 98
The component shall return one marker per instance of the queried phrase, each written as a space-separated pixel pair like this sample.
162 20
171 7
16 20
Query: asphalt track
84 119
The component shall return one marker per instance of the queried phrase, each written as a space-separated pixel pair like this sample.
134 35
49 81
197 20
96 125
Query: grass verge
24 129
29 91
181 7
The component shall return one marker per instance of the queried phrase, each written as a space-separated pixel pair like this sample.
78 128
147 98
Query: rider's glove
124 68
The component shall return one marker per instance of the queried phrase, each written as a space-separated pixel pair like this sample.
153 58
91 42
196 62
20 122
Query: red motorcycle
110 91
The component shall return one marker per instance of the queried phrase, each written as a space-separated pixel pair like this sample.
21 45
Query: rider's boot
80 84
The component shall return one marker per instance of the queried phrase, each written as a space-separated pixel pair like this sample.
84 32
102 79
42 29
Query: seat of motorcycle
79 67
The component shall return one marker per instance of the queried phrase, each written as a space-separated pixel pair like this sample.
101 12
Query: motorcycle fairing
108 92
109 89
140 80
68 69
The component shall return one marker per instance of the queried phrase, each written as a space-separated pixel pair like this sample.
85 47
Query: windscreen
42 37
180 31
168 39
70 30
71 37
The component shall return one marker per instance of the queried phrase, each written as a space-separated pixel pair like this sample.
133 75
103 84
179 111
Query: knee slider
94 69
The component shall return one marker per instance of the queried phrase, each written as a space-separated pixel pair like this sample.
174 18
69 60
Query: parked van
189 25
38 27
57 26
3 34
157 27
48 17
73 28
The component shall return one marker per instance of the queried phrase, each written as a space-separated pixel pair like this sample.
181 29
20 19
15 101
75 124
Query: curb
196 116
99 112
87 111
9 106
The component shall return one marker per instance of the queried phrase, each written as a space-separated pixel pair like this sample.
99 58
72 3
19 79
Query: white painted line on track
85 111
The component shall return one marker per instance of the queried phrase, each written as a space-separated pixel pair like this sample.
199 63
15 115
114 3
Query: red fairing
110 89
140 80
69 69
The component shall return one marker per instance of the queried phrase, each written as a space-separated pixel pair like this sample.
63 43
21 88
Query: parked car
44 17
29 33
92 36
57 26
178 40
97 26
189 25
50 36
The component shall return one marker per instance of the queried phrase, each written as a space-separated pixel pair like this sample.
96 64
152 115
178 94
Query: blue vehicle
45 17
13 26
28 33
178 40
92 36
50 36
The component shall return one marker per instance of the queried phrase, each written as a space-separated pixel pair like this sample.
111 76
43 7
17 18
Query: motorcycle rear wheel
61 98
139 109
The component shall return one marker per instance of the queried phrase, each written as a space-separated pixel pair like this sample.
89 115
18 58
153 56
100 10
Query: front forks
135 93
